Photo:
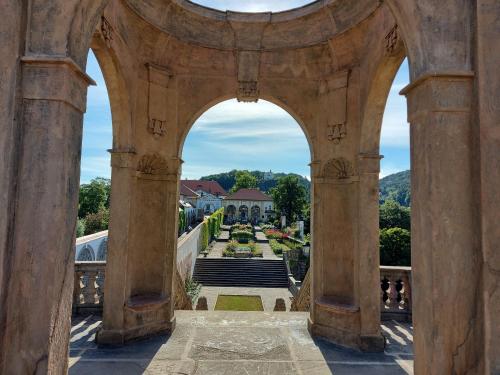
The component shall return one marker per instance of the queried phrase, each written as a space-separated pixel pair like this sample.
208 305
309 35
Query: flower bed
239 250
278 248
242 236
274 234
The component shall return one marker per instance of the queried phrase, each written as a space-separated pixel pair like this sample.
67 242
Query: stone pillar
369 254
147 303
122 166
42 233
446 253
488 91
336 288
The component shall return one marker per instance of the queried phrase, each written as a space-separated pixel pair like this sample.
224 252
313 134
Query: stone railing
88 292
395 294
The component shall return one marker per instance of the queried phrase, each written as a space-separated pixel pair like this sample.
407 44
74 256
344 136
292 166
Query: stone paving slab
233 343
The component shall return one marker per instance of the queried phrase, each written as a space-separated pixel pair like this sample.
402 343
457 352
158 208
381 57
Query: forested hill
396 187
228 179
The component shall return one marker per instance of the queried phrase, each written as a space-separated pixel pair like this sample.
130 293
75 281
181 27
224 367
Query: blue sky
232 135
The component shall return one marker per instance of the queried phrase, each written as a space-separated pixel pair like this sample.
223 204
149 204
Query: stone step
241 272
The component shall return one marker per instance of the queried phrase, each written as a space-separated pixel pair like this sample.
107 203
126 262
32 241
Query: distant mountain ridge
228 179
396 187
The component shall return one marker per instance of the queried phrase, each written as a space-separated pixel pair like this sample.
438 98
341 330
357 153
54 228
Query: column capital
369 163
122 158
439 92
55 78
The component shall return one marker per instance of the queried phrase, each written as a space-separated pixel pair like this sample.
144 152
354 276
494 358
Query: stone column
147 302
446 253
488 91
122 166
42 233
369 254
336 289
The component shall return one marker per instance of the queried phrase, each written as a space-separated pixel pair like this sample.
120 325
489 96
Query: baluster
100 287
393 295
90 290
385 285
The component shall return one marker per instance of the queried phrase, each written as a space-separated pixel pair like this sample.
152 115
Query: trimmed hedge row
211 227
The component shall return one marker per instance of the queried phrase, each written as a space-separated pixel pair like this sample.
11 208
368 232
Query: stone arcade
330 65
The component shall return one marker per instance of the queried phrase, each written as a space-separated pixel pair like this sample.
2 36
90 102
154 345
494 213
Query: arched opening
254 6
252 153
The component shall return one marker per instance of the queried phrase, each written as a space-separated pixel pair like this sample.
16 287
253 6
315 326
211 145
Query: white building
248 205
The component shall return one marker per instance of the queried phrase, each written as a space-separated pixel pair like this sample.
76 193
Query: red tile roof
249 195
187 192
212 187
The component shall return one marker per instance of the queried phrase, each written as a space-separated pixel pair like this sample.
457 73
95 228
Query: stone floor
234 343
268 295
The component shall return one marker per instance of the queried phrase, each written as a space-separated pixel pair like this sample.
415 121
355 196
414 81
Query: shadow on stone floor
234 343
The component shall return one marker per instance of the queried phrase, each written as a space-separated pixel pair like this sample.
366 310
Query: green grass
239 303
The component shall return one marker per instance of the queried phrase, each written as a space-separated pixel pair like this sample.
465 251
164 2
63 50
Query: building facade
248 205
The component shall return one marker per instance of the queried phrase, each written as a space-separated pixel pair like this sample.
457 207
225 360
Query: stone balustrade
395 291
88 292
395 294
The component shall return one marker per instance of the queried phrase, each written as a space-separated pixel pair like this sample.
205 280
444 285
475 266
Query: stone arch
255 214
86 254
103 250
243 212
231 213
117 90
219 99
371 124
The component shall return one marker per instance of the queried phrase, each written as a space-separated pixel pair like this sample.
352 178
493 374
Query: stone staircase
262 273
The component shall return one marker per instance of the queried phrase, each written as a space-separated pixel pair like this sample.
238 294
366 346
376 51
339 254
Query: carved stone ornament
157 127
340 168
152 164
106 31
393 42
248 91
336 132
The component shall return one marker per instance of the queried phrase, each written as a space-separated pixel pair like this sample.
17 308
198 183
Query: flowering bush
274 234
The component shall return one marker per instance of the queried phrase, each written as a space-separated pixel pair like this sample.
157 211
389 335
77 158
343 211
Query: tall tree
94 196
393 215
244 180
289 197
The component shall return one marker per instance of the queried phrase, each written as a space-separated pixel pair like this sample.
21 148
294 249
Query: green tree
94 196
96 222
289 197
244 180
395 247
393 215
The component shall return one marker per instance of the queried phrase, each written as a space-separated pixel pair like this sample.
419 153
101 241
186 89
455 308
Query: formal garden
242 242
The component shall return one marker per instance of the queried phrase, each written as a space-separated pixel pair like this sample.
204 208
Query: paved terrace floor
234 343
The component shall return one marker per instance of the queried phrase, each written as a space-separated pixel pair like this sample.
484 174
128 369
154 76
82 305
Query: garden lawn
239 303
